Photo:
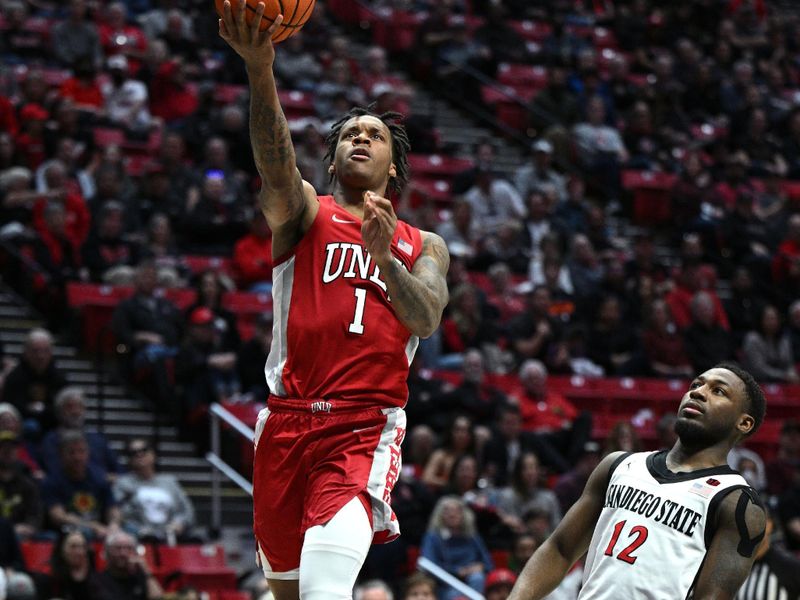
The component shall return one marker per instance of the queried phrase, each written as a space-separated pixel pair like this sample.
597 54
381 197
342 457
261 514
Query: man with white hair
559 429
126 575
374 589
70 409
32 385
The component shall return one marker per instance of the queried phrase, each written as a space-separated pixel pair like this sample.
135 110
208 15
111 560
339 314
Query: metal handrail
219 467
439 573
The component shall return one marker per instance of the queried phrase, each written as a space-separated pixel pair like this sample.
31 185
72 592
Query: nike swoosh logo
336 219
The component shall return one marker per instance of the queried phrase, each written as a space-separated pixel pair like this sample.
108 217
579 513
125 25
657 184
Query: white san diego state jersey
654 529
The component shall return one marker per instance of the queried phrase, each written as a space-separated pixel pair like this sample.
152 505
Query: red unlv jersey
335 334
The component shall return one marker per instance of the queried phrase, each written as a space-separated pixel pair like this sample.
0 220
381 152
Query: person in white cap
125 98
539 172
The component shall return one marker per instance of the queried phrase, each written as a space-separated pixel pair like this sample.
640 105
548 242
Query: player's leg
284 589
333 554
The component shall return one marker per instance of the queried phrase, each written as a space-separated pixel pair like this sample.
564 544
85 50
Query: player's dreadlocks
400 143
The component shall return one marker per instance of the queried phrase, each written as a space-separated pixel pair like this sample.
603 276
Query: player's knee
333 555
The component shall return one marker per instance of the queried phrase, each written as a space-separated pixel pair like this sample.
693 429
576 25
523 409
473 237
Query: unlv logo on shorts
321 406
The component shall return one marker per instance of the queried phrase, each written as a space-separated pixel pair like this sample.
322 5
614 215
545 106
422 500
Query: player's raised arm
740 528
283 196
551 562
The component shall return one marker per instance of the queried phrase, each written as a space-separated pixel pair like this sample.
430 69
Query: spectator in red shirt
786 262
664 345
252 257
77 214
561 430
691 279
30 143
117 36
83 88
8 117
542 410
171 98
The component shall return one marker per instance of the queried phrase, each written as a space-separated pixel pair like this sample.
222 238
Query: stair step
125 432
14 310
182 449
122 416
113 404
109 390
59 351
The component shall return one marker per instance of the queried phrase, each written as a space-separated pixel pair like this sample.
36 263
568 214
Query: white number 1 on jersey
357 326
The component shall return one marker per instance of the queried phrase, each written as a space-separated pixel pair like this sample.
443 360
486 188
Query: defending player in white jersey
666 525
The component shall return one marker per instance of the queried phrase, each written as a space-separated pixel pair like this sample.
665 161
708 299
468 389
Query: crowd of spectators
61 482
123 150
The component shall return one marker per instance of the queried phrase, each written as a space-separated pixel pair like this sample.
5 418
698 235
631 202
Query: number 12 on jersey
626 554
357 326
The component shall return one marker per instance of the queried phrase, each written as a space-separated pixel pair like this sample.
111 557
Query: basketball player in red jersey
353 290
671 524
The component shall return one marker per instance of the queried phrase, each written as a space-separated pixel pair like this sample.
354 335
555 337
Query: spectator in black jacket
205 370
148 327
707 343
212 222
108 254
33 384
20 502
210 287
252 357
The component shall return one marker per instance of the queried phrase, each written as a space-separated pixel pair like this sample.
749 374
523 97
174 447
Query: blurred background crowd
628 213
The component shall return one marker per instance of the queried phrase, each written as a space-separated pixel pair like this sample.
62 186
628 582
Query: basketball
295 14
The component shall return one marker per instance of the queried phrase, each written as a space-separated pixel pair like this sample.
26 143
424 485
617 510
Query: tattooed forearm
419 297
269 133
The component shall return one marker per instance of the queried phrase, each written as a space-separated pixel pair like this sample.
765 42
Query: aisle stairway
124 415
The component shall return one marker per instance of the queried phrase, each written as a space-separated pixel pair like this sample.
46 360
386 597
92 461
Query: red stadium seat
425 190
652 200
37 556
437 165
247 306
104 136
395 30
198 264
95 303
202 566
182 298
513 74
228 94
534 31
296 104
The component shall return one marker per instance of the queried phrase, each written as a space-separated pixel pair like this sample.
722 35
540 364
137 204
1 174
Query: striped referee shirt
775 577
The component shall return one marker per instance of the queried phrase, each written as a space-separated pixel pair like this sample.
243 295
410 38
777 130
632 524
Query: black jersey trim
657 466
713 509
614 466
747 544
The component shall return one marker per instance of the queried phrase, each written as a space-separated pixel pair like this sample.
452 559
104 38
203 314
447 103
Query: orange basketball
295 14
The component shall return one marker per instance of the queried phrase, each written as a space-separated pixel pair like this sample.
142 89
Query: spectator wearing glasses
126 576
152 504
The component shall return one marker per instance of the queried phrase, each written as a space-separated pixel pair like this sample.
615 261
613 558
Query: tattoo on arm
419 297
270 138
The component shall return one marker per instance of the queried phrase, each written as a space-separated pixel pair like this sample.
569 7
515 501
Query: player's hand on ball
254 46
377 227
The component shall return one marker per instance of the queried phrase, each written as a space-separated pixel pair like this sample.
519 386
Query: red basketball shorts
312 458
